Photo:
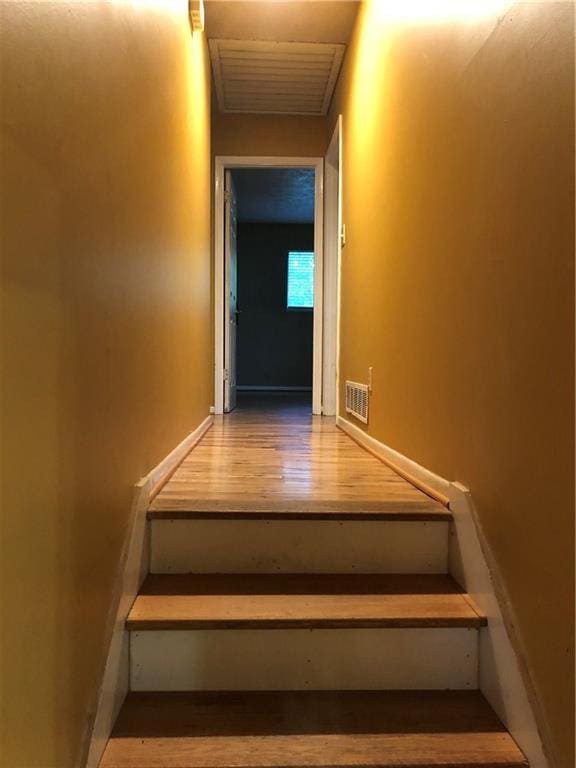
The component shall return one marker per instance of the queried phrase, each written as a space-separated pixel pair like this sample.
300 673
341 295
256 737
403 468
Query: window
300 280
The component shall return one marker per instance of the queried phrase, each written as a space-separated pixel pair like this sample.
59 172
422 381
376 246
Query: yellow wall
269 135
457 285
106 345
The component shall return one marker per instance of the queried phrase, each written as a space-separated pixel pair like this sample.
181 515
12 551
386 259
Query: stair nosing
270 514
151 625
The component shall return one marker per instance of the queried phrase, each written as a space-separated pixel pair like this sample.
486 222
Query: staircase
282 628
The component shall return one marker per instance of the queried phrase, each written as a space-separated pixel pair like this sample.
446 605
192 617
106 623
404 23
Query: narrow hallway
354 220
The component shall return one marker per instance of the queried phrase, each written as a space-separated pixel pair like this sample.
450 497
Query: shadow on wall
106 327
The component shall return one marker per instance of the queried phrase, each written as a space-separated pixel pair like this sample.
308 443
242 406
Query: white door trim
223 163
231 316
332 259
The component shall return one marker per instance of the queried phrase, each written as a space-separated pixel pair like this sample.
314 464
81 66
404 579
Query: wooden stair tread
218 601
306 729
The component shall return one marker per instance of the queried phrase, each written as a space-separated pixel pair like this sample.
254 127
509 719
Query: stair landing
254 464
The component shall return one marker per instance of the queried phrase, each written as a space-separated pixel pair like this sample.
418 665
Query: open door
333 242
230 293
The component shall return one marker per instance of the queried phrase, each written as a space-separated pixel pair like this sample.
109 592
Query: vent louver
275 78
357 400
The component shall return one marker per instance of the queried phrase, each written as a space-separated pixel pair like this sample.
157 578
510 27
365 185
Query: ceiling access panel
275 78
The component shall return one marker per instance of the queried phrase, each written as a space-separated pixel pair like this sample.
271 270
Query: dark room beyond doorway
275 258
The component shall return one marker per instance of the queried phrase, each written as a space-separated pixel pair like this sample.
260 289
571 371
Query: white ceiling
304 21
277 56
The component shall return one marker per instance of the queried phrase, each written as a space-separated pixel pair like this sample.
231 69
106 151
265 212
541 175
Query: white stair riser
322 659
298 546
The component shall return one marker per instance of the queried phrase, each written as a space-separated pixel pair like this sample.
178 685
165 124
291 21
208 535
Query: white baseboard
158 476
246 389
116 678
503 678
427 481
133 567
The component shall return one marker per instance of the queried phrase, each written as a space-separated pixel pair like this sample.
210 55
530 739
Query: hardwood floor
284 463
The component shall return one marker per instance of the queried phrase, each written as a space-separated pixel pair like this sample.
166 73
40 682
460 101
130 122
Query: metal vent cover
275 78
357 400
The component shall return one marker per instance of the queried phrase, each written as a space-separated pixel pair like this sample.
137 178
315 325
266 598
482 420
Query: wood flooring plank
287 465
393 729
246 601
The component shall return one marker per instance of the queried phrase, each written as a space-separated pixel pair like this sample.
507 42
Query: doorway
274 281
269 283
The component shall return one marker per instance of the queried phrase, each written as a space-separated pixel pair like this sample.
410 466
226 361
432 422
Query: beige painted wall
458 281
269 135
106 341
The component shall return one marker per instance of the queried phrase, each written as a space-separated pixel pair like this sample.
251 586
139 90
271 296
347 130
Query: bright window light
300 280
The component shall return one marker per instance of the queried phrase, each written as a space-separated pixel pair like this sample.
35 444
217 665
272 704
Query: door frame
333 243
230 224
226 162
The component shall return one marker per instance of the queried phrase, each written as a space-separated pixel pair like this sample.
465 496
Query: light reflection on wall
169 6
437 11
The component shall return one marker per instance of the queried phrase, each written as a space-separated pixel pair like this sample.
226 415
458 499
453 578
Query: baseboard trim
133 567
503 674
504 678
248 389
429 483
160 475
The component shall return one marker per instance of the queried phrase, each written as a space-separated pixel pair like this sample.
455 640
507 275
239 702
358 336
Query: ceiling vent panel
275 78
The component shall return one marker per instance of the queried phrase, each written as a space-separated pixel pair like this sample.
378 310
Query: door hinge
226 374
226 196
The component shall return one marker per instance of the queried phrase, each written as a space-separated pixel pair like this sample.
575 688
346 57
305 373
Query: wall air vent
275 78
357 400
